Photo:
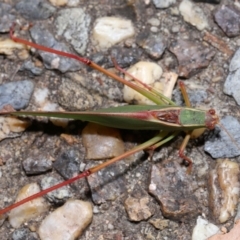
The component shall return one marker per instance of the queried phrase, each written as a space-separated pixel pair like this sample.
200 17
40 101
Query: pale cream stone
204 229
109 31
224 190
58 3
67 222
7 46
102 142
193 15
228 179
28 210
16 125
10 125
150 74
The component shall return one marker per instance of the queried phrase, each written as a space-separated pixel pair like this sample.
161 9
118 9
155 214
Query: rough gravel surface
141 197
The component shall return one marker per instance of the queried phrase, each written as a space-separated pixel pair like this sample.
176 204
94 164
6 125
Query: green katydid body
170 118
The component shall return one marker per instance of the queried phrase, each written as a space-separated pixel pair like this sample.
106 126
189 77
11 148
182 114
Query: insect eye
212 111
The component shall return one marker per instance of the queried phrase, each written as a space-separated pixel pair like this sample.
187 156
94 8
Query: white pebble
151 74
193 15
67 222
203 229
7 46
28 210
109 31
148 73
154 29
152 187
41 96
154 22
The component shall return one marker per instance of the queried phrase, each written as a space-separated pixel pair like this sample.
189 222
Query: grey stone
35 9
17 94
221 144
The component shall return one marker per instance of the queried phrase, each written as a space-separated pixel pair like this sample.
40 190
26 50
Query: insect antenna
229 135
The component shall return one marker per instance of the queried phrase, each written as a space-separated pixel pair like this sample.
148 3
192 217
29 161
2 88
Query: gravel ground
192 41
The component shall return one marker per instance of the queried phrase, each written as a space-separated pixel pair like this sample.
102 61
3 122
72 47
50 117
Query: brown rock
192 56
172 187
139 206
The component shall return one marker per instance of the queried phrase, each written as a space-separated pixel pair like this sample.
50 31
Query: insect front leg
186 139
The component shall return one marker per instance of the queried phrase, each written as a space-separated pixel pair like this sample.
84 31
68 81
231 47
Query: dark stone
192 56
172 188
228 18
67 164
153 44
35 9
24 234
108 183
37 163
52 61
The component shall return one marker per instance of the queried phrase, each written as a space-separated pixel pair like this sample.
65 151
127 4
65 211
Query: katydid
166 117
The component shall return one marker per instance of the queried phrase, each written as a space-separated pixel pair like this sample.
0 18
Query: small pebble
109 31
160 223
204 229
193 14
138 209
149 73
154 22
154 44
110 139
224 190
7 46
76 98
67 163
67 222
17 94
36 164
12 127
30 66
29 210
